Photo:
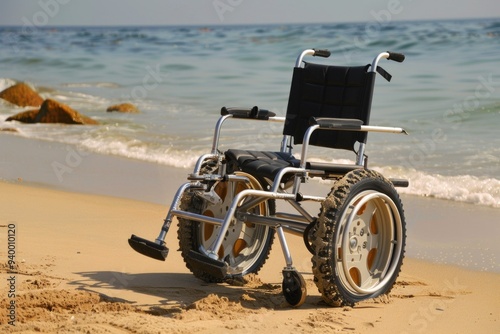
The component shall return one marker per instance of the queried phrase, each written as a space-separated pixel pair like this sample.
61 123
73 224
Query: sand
75 273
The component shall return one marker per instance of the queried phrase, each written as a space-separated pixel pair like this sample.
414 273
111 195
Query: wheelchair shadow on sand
176 292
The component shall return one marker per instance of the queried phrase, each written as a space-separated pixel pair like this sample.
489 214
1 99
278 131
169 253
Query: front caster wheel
360 238
294 288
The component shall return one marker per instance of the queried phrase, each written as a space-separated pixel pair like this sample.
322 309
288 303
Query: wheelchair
227 213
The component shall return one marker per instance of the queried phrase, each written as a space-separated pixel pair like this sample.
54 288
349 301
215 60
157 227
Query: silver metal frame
246 199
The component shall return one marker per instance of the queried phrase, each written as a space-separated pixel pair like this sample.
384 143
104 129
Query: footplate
148 248
216 268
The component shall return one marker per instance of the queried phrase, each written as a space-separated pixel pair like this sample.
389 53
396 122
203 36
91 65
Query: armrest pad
336 123
253 113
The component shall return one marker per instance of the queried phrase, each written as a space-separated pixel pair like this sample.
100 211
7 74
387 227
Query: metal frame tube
279 176
383 55
360 160
301 210
197 217
284 247
213 250
218 126
305 145
294 225
173 206
291 216
222 119
251 203
308 52
286 146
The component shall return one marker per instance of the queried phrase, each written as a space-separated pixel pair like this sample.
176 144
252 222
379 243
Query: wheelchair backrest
329 91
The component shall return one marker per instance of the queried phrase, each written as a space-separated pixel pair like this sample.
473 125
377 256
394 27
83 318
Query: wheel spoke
365 275
369 211
358 269
359 256
372 241
247 239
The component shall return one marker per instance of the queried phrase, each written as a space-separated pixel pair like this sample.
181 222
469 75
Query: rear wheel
360 238
246 246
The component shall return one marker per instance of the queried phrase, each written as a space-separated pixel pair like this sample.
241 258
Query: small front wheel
294 288
360 238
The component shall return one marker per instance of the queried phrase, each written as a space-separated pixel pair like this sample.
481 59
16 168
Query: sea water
446 93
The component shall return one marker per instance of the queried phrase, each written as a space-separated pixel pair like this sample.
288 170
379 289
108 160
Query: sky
211 12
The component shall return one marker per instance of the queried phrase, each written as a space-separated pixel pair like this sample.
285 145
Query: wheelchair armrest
349 124
336 123
253 113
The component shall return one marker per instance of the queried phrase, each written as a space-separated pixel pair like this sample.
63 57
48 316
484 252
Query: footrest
216 268
148 248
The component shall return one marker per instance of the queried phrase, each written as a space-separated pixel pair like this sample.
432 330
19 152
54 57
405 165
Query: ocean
445 94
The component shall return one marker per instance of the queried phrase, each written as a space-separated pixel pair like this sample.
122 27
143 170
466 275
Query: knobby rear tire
358 258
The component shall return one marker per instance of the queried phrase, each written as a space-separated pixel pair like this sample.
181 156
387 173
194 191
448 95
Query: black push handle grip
399 57
321 53
255 113
236 112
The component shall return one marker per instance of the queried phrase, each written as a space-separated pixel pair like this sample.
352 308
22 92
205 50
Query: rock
22 95
24 117
52 111
8 130
124 107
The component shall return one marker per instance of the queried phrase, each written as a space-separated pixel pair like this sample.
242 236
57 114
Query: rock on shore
52 111
124 107
21 95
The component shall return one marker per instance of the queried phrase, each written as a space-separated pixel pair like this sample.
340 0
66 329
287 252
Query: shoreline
440 231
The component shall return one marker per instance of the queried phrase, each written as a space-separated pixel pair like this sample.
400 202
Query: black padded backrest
329 91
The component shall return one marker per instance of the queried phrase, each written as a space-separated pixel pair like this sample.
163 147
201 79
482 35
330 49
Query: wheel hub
353 243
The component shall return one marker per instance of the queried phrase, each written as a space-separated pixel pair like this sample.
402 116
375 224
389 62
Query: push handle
237 112
311 52
399 57
321 53
254 113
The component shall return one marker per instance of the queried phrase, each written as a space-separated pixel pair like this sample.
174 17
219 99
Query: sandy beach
75 273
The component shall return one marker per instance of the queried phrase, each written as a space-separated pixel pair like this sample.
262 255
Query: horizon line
138 25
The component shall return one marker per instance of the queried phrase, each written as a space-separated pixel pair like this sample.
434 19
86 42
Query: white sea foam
137 150
91 84
459 188
6 83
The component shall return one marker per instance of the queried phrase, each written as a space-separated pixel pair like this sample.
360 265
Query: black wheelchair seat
263 164
267 164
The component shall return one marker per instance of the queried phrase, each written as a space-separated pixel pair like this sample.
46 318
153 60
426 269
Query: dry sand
75 272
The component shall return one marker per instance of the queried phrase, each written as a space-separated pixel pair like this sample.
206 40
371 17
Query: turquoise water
446 93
